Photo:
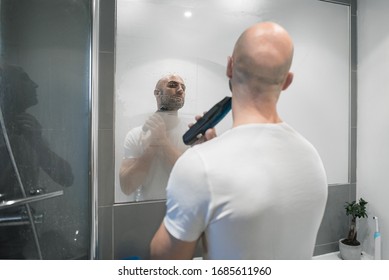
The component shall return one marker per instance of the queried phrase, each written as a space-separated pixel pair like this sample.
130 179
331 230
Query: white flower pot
348 252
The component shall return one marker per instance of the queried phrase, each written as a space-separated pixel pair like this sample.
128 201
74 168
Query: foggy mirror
181 48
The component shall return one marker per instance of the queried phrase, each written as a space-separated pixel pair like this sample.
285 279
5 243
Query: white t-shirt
135 144
258 192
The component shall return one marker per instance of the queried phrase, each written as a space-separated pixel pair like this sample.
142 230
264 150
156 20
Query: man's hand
28 126
155 131
208 135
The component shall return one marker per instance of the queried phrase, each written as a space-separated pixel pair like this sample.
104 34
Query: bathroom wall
125 229
373 116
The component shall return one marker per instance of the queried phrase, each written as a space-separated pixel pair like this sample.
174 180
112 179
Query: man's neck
250 107
254 112
170 118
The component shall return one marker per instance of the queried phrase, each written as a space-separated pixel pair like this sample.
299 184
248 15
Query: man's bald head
262 56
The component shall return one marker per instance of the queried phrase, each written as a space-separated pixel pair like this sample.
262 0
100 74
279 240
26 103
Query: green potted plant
350 248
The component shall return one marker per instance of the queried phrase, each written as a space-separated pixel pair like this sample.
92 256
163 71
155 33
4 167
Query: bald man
151 150
259 190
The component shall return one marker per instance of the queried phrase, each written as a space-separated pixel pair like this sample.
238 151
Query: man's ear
229 67
288 81
157 92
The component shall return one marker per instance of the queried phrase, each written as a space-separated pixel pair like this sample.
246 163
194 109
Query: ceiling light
188 14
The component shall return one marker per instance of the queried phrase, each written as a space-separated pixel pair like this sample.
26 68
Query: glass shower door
45 48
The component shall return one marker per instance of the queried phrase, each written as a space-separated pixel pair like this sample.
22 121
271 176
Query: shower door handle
30 199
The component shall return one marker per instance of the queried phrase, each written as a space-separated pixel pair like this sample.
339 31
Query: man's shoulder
205 150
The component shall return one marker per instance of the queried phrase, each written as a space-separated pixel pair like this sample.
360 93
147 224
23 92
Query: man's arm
55 166
166 247
159 139
133 171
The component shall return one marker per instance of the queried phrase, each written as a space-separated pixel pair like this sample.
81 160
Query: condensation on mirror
193 39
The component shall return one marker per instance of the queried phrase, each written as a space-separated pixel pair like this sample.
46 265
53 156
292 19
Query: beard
171 103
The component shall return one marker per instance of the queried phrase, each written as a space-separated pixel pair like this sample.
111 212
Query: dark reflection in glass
32 155
151 150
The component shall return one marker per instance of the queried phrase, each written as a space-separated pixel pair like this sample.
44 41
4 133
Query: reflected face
22 89
27 89
171 94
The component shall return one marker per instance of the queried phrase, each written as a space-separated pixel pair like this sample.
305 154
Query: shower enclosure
45 129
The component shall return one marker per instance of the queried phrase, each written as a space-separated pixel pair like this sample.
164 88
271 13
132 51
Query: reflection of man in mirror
31 153
151 150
